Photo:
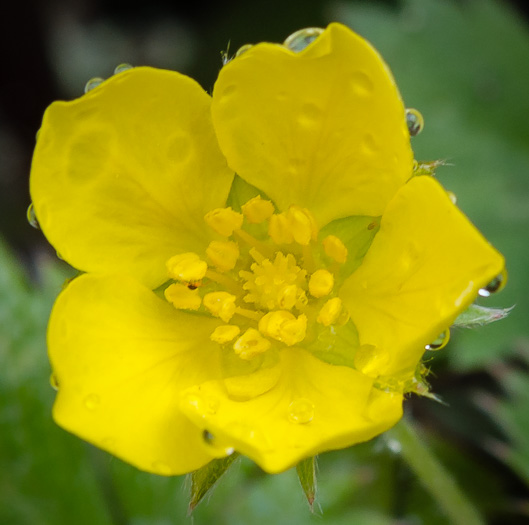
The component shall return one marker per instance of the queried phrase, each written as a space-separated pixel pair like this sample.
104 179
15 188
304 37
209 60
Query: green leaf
204 479
306 470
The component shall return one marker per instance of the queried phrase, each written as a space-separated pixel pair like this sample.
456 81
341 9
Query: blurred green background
465 66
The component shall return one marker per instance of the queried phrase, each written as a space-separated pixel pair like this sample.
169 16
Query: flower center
266 277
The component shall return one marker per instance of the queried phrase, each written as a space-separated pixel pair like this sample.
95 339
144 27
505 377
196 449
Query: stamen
257 244
186 267
224 221
279 229
335 248
251 344
257 210
223 254
284 326
225 333
302 225
182 297
330 312
321 283
249 314
220 304
224 280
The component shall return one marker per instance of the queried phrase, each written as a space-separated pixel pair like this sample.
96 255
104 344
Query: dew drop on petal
54 382
208 437
361 84
301 411
415 121
122 67
92 401
243 49
93 83
495 285
440 342
299 40
32 218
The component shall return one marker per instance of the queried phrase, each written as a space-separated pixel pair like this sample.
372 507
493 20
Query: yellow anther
257 210
287 297
251 344
321 283
330 312
220 304
225 333
224 221
335 248
223 254
279 229
182 297
302 225
284 326
186 267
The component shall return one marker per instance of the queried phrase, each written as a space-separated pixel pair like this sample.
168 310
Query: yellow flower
282 311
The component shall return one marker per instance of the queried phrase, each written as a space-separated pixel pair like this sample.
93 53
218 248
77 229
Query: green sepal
203 479
476 315
306 470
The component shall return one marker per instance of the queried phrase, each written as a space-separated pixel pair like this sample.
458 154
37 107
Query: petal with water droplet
324 128
122 365
313 407
424 267
119 179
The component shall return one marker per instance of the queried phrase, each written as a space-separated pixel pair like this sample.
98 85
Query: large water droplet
299 40
122 67
32 218
301 411
415 121
440 342
54 382
92 401
495 285
243 49
93 83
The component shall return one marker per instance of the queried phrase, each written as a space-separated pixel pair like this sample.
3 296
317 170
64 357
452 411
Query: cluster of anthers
268 281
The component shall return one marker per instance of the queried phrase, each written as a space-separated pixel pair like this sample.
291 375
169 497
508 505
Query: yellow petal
323 129
123 176
122 357
313 407
425 266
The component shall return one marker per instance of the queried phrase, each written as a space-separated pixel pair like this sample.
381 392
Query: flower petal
314 407
121 357
425 266
122 177
324 129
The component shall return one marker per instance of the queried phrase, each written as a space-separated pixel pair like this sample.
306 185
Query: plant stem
433 475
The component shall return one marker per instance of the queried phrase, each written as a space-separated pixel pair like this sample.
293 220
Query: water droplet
394 445
301 411
93 83
452 196
440 342
369 144
203 405
495 285
122 67
361 83
162 468
32 218
54 382
243 49
299 40
92 401
415 121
